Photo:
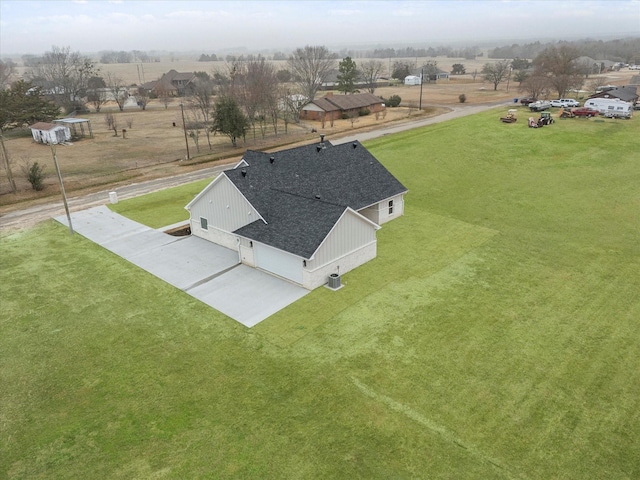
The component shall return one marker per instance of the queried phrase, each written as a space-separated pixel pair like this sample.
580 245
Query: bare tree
96 94
164 94
200 102
310 66
117 89
142 98
7 72
535 85
370 71
261 87
559 65
112 123
496 72
64 74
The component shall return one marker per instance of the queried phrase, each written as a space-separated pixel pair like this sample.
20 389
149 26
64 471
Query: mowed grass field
494 336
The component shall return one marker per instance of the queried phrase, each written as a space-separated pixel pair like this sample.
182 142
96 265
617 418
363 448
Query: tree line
621 50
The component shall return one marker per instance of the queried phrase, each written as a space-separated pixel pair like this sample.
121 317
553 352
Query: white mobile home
610 106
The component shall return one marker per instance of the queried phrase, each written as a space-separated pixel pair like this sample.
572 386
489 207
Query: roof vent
354 144
244 172
318 197
319 148
272 159
322 137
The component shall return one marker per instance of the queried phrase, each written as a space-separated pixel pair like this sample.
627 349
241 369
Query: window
203 223
390 207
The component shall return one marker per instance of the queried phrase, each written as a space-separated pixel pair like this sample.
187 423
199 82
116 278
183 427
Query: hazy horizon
32 27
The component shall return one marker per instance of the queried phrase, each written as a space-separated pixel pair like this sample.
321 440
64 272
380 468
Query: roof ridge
315 198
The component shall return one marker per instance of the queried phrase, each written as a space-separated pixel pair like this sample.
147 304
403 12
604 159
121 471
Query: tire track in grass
433 427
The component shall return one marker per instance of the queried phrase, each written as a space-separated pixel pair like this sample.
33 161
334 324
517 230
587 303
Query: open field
494 336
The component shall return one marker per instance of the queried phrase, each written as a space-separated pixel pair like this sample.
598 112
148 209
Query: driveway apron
206 271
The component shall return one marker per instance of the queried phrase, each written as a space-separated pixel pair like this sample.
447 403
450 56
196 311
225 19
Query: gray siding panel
229 212
350 233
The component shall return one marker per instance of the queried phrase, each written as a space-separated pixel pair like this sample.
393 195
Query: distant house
330 81
626 94
430 73
172 84
50 133
412 80
302 214
332 107
590 65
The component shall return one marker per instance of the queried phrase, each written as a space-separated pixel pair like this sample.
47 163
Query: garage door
278 262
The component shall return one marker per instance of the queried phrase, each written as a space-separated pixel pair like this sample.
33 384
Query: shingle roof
325 104
43 126
355 100
305 190
627 94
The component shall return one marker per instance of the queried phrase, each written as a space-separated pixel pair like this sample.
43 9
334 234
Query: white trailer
610 107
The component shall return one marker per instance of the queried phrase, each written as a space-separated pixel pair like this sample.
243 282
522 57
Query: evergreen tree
229 119
347 76
24 104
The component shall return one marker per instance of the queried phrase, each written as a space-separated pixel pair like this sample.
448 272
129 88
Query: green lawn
494 336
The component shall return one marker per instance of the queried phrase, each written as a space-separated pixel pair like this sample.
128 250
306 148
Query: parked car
634 67
527 100
585 112
539 105
565 102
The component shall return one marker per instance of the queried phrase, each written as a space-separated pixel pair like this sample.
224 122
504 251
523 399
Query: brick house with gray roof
301 214
172 84
333 107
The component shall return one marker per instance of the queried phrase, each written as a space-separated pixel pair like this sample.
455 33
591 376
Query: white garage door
276 261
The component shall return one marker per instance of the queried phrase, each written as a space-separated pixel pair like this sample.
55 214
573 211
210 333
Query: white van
610 107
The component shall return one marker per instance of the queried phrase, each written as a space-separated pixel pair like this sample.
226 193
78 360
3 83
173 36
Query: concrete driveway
204 270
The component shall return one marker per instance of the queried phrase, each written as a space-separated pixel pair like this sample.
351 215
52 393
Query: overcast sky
213 26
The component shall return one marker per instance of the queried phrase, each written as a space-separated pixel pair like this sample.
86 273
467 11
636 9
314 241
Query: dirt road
28 217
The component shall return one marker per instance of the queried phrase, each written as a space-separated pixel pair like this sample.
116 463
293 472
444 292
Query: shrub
364 112
393 101
462 98
344 116
35 174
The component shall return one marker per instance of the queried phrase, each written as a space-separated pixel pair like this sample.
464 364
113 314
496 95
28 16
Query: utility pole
64 195
7 165
421 77
184 129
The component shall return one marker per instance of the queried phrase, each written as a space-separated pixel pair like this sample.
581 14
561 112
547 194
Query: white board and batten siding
221 217
351 242
384 211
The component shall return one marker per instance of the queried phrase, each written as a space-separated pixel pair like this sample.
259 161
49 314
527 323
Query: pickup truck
527 100
585 112
539 106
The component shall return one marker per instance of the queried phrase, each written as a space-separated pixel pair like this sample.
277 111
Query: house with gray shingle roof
332 107
172 84
302 214
626 94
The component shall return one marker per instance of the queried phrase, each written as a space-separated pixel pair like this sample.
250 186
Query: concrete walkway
204 270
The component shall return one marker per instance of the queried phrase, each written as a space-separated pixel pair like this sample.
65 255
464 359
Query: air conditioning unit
334 281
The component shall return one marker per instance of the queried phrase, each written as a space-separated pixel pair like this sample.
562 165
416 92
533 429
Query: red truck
585 112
